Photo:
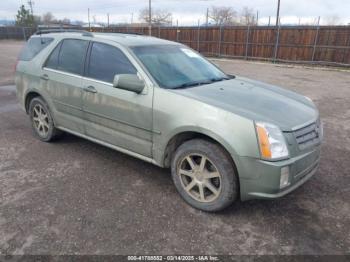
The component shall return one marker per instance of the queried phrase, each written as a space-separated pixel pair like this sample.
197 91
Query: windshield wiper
199 83
218 79
192 84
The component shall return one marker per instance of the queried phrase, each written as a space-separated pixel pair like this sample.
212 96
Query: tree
24 17
65 21
248 16
332 20
48 18
223 15
37 19
159 16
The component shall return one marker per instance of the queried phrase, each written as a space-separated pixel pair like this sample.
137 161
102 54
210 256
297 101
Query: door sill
117 148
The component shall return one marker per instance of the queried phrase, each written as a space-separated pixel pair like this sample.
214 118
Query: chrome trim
305 124
120 149
62 72
97 81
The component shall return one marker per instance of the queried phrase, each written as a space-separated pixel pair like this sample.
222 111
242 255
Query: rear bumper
261 179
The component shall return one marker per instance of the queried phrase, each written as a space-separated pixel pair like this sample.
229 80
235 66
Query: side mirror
130 82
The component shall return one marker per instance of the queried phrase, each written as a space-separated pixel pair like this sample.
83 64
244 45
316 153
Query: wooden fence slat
330 44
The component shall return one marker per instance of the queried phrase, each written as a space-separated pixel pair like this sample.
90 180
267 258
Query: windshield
174 66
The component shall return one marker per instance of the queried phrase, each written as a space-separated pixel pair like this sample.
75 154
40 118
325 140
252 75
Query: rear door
62 75
118 117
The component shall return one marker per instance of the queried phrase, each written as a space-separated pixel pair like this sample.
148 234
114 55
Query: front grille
309 135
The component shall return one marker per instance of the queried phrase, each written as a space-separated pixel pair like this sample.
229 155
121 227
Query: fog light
284 179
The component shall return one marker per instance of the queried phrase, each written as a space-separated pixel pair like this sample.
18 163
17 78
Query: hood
256 101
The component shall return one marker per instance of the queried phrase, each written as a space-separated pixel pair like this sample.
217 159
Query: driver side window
106 61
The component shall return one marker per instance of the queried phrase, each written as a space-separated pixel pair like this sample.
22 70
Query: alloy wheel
199 177
41 120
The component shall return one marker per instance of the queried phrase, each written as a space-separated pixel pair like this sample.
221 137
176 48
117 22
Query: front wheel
204 175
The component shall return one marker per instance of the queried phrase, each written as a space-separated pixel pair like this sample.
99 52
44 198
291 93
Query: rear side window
71 56
52 61
33 47
106 61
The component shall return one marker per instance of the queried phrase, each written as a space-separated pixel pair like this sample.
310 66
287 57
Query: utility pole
31 3
107 19
257 17
132 18
89 19
269 20
207 17
278 13
150 17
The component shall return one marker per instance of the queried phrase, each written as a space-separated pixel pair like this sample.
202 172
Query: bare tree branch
159 16
332 20
47 18
248 16
223 15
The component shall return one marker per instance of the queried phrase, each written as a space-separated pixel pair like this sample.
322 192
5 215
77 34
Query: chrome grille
309 135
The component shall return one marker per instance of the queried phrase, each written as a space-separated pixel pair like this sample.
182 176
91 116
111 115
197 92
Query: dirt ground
76 197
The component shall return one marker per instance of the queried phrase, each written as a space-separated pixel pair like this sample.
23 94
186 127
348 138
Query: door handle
90 89
45 77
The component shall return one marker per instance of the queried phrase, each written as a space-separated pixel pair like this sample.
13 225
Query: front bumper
260 179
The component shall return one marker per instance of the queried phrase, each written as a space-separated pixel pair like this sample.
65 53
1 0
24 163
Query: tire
39 113
210 183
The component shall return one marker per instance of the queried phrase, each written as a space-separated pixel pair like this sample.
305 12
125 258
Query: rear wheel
204 175
42 122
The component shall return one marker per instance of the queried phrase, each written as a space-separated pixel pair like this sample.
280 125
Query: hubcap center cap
198 175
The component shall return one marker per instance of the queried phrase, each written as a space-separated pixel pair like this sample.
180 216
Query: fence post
7 33
24 33
247 43
277 40
198 33
316 40
220 40
177 30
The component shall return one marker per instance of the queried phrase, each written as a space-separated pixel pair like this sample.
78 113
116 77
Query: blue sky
186 11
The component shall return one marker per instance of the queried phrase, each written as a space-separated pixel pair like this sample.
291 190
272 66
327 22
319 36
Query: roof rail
48 31
129 33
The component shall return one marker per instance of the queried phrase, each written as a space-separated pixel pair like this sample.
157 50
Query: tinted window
52 61
33 47
71 56
106 61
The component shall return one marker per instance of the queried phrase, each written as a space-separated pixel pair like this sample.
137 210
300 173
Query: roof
121 38
132 39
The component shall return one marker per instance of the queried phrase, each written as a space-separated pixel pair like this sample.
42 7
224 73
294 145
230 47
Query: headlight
271 141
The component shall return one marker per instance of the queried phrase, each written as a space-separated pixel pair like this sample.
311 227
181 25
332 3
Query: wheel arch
182 136
28 97
33 93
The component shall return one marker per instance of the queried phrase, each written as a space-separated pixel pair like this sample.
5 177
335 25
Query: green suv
224 137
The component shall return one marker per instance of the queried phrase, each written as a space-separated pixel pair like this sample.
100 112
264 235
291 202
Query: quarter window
52 61
33 47
106 61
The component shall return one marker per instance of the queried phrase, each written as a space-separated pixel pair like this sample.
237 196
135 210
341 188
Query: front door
118 117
